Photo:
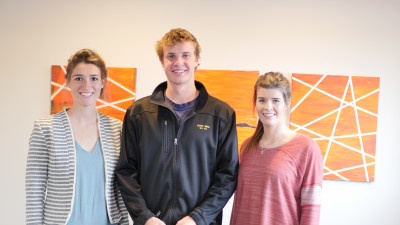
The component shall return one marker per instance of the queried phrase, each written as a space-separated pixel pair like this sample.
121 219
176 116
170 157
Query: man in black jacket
179 158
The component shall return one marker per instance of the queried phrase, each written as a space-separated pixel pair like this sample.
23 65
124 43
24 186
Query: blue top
182 110
89 202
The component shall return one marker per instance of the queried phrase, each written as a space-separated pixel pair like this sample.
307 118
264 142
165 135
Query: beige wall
329 37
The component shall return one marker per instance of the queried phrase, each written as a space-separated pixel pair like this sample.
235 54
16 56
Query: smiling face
271 106
180 63
85 84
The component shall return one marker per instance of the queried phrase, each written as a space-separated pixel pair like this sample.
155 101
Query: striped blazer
50 171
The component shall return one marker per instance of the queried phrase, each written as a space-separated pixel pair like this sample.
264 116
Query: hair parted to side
174 36
269 80
87 56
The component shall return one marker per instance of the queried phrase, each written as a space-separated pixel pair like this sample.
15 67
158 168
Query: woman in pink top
280 173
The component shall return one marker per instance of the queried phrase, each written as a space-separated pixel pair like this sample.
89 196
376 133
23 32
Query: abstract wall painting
340 113
236 89
119 94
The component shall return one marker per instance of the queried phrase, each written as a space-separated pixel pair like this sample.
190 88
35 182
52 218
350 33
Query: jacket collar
158 96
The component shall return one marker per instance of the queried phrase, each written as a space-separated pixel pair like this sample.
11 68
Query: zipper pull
175 141
165 123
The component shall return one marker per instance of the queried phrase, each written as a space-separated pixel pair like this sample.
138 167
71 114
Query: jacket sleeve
36 176
225 178
128 176
311 187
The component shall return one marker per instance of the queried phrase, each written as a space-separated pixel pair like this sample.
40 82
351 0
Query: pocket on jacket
166 138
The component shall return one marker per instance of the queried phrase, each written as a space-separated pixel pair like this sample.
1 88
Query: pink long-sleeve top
280 186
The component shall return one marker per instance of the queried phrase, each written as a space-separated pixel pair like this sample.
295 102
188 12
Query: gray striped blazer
50 171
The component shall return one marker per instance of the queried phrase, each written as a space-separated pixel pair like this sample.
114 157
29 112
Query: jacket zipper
175 166
175 172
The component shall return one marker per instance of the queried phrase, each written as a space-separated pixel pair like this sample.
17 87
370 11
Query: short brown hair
87 56
174 36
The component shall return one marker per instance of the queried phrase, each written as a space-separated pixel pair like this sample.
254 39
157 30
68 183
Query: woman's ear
288 105
103 83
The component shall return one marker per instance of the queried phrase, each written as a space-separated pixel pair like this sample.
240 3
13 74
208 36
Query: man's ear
198 62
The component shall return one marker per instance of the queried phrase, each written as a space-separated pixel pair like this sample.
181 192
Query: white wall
326 37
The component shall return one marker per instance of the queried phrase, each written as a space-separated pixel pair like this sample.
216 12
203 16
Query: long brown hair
268 80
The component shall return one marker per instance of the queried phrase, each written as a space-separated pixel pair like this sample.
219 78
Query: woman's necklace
264 149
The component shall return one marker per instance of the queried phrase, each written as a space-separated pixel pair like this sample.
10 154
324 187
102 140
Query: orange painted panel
371 102
317 107
323 145
335 90
347 124
301 90
355 174
236 89
119 92
340 157
341 114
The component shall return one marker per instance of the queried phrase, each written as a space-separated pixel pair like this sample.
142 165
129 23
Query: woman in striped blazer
72 155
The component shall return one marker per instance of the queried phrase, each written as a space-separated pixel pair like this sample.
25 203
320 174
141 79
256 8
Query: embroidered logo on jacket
203 127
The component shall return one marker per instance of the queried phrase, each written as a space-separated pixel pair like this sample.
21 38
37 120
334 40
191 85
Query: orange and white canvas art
236 89
340 113
119 92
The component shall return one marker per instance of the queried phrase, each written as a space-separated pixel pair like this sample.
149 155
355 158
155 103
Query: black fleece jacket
171 171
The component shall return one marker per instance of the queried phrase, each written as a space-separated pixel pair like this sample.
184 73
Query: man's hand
154 221
187 220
